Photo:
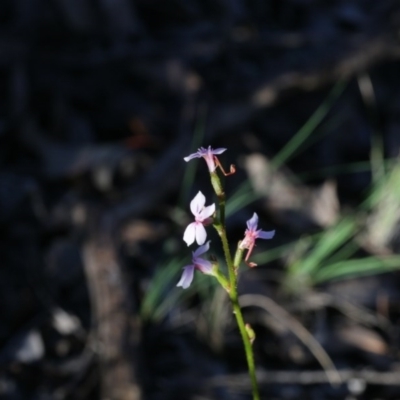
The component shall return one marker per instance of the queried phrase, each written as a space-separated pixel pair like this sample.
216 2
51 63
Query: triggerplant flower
197 263
208 154
202 217
250 236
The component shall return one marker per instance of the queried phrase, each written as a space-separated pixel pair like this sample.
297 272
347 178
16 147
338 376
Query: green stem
233 294
228 258
222 210
216 184
242 327
233 266
238 258
247 346
222 279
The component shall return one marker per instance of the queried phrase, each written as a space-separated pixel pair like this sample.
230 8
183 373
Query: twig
115 331
239 381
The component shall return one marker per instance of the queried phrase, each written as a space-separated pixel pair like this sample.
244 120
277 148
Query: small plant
196 232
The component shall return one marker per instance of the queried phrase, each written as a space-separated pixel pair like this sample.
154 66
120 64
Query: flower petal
191 156
201 234
197 204
201 250
210 162
203 265
218 151
207 212
266 234
187 276
190 233
253 222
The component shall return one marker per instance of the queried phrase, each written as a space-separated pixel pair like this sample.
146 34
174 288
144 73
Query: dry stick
240 381
115 326
115 331
318 300
298 329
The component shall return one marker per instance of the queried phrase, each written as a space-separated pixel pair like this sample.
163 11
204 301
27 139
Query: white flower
202 216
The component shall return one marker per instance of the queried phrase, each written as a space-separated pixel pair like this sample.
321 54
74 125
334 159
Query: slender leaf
358 267
329 242
308 128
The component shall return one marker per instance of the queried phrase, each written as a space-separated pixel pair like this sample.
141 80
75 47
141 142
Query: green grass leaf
357 267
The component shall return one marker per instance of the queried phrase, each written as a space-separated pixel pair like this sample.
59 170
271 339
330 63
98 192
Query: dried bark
116 329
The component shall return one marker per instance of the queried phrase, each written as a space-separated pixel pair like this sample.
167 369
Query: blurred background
100 101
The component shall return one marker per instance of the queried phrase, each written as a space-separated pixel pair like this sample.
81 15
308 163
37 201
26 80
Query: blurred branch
115 328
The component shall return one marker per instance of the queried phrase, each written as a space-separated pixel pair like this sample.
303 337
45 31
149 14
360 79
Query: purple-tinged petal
266 234
203 265
218 151
190 233
201 234
253 222
187 276
191 156
210 162
207 212
201 250
197 204
201 151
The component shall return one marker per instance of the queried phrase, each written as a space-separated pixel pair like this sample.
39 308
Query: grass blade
358 267
329 242
308 128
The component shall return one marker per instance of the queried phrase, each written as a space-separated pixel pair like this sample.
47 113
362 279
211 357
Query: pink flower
251 235
208 155
197 263
196 230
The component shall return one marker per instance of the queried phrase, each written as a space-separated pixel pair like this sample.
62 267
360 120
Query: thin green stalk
219 191
228 258
242 327
233 294
222 280
222 211
247 347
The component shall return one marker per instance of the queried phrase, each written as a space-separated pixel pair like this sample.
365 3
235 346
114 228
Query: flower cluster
204 216
196 232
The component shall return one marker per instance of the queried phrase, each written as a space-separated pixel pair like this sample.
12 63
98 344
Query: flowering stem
247 346
238 258
228 258
233 294
233 266
222 280
216 184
